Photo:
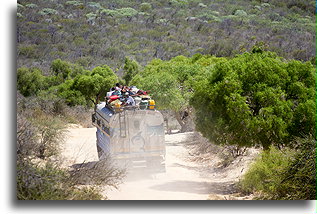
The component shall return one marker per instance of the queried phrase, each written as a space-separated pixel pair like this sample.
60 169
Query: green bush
256 99
30 81
66 92
60 67
48 11
130 69
298 181
287 174
29 51
145 7
264 175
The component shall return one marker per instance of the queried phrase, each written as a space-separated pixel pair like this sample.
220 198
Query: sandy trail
183 179
80 146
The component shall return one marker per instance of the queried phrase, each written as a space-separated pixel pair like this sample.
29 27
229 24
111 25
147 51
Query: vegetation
130 69
256 99
40 130
241 70
253 99
172 83
284 174
105 32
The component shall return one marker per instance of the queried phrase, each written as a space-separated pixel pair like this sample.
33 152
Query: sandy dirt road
183 179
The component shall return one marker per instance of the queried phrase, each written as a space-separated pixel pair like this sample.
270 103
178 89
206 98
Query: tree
61 68
95 83
67 92
30 81
250 100
171 83
130 69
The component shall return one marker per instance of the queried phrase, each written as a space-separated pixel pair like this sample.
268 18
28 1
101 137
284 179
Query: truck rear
131 136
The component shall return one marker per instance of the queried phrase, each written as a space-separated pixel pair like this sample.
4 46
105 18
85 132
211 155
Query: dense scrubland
239 72
93 33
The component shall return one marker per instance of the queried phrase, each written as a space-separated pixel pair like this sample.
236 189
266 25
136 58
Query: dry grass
102 172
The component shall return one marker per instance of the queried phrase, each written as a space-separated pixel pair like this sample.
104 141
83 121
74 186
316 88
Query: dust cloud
182 180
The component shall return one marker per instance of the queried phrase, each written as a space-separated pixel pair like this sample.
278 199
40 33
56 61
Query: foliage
298 181
74 3
61 68
120 13
31 5
69 82
171 82
165 87
264 175
284 174
240 13
95 83
26 141
249 100
287 27
94 5
30 81
38 135
130 69
50 135
29 51
39 131
48 11
145 7
49 182
66 91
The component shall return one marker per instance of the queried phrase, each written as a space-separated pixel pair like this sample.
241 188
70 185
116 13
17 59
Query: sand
184 179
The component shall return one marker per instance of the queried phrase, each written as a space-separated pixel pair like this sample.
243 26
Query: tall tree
130 69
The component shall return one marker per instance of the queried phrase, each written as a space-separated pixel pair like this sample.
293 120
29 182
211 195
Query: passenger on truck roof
141 92
118 86
109 93
116 92
123 91
131 93
134 89
128 99
126 87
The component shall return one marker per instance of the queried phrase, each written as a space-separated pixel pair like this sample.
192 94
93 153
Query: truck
132 136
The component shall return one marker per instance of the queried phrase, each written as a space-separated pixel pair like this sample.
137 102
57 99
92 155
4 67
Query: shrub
240 13
287 174
29 51
264 175
60 67
49 182
145 7
298 181
30 81
38 134
255 99
130 69
50 134
48 11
